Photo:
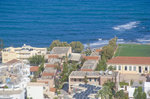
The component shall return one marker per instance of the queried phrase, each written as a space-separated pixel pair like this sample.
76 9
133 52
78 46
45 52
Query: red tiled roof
53 89
98 50
130 60
34 68
91 57
53 56
50 65
86 70
46 82
47 74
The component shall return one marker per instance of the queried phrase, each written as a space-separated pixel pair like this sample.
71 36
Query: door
140 70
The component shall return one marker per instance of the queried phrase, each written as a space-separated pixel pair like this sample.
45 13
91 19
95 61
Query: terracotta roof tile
46 82
53 89
53 56
34 68
98 50
91 57
47 74
86 70
50 65
130 60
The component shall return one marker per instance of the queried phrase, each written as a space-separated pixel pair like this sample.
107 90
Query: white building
147 89
21 53
130 65
35 90
130 91
13 79
12 94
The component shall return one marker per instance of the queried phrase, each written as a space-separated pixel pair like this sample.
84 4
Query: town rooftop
60 50
130 60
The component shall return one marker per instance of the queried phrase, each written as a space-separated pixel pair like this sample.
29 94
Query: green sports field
133 50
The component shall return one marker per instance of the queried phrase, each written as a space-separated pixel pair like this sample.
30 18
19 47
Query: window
90 79
95 79
75 80
134 68
145 68
119 68
130 68
79 80
125 68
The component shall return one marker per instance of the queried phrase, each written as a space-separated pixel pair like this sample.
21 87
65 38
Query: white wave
127 26
99 43
100 39
143 40
102 42
120 40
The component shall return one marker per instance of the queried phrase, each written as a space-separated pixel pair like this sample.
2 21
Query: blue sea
39 22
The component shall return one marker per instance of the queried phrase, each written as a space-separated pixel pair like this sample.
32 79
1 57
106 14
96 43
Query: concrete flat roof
60 50
84 73
89 64
10 92
75 57
91 73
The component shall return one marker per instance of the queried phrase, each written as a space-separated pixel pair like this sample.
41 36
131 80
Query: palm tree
101 94
121 95
105 92
85 80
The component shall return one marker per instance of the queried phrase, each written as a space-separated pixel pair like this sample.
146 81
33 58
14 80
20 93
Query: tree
85 80
110 68
101 65
77 46
140 82
101 94
108 50
121 95
57 83
57 43
88 50
111 85
112 42
139 94
131 82
105 92
41 68
36 60
108 92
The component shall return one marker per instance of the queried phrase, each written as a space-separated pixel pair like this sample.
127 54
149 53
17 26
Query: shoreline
93 44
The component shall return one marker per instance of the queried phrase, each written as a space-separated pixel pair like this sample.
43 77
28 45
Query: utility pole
1 48
1 44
